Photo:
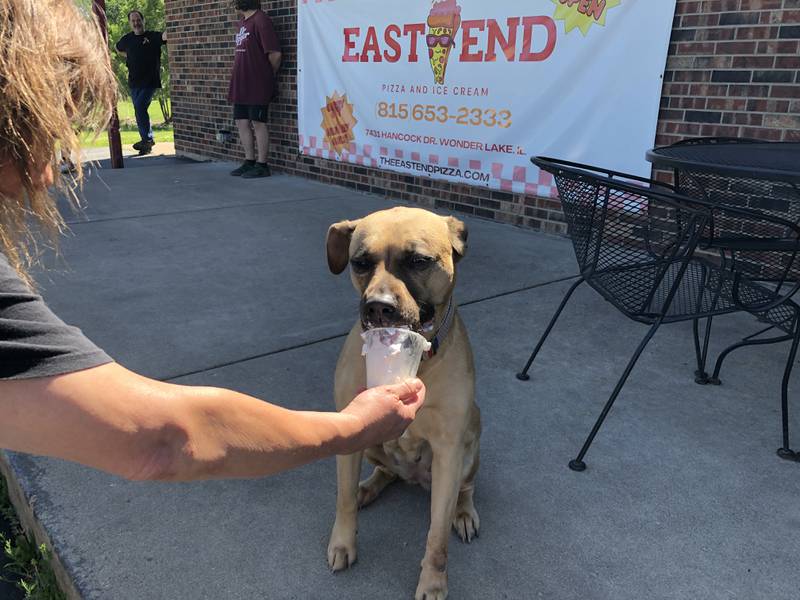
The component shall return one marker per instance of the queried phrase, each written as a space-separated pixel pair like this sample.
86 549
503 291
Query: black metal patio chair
657 257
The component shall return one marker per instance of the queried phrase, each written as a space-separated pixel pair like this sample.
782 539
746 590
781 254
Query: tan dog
402 262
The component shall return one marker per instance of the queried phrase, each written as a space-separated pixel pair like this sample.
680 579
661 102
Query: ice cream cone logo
338 122
443 23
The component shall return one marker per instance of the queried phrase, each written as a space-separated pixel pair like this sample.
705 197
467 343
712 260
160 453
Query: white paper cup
392 354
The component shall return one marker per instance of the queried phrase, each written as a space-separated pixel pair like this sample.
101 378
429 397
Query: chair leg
700 375
577 464
748 341
714 379
523 375
785 451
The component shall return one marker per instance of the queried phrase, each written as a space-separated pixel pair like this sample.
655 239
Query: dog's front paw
466 523
432 584
342 548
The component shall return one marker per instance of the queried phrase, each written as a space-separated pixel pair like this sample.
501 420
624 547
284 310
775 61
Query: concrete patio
185 274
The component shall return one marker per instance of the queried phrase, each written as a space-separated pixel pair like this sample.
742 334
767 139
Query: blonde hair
55 76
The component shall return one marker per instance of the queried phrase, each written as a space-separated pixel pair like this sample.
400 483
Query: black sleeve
122 44
161 39
33 341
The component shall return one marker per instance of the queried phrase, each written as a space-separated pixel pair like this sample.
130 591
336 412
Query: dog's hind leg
372 486
466 521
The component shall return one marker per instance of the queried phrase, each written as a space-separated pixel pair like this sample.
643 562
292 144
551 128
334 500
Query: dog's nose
380 313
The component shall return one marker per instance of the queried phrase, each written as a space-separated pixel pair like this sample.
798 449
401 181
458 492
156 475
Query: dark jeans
141 102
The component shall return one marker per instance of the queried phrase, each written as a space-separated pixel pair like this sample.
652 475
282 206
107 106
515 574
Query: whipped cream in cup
392 354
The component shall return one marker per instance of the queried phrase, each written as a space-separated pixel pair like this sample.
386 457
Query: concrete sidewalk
183 273
130 156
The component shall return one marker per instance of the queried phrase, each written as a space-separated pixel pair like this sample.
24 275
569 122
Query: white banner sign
469 90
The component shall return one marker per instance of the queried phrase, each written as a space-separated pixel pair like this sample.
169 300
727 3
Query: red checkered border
519 181
522 180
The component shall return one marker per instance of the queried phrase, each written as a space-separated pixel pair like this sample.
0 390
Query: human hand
383 413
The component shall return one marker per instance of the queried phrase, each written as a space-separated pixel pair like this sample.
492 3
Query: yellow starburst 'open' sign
583 13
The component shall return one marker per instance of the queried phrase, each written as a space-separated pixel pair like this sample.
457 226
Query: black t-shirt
143 58
33 341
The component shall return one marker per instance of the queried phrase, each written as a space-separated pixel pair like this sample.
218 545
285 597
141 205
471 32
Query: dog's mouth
417 327
422 325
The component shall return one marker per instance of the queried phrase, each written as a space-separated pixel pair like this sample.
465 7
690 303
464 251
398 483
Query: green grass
126 113
88 139
26 562
127 126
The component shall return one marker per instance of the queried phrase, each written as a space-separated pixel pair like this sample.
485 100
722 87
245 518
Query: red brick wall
733 69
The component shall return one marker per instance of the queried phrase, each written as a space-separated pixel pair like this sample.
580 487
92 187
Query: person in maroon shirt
252 87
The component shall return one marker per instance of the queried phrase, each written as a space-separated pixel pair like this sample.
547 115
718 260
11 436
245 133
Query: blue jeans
141 102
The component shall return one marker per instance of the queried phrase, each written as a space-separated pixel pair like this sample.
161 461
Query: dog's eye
420 262
360 265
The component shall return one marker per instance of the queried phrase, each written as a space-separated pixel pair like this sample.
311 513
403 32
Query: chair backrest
627 229
778 198
765 198
616 219
755 248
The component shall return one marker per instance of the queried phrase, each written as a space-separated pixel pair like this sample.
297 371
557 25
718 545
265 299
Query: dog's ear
338 245
458 237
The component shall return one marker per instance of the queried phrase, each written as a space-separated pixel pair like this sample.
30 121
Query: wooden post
114 141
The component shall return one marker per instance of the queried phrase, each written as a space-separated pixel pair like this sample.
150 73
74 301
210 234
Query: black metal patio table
763 177
726 157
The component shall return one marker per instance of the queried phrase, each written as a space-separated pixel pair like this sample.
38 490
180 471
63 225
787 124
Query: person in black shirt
142 51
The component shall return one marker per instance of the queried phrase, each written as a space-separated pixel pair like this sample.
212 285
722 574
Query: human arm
122 46
275 60
61 396
164 37
115 420
268 40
